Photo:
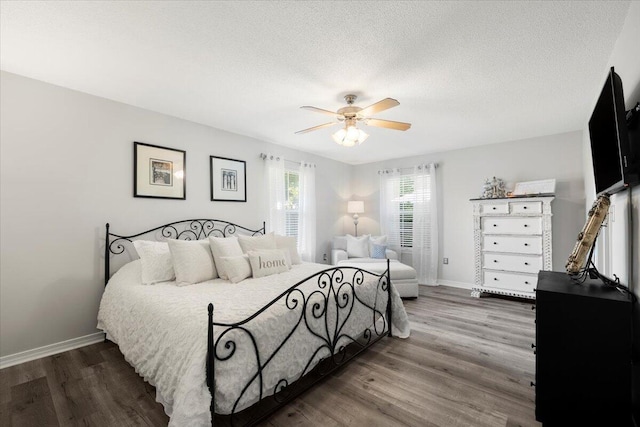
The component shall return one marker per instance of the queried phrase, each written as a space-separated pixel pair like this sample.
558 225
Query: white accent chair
403 277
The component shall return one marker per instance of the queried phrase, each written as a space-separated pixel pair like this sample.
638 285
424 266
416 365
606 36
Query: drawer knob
526 283
526 263
533 307
533 345
526 225
495 260
494 208
495 278
524 207
533 384
495 243
495 225
526 244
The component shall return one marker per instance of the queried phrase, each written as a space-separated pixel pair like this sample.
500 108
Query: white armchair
366 254
339 251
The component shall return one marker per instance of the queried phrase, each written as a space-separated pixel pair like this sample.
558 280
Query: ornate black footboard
337 292
342 310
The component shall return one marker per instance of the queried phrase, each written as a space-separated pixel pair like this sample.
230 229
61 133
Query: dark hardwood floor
468 362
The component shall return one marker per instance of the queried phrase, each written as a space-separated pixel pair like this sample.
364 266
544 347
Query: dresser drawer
511 225
526 207
517 244
510 281
521 263
494 208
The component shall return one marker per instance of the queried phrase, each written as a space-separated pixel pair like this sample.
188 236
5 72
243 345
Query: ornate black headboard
188 229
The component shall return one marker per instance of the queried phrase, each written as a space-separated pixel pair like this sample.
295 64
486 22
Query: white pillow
238 267
358 247
289 243
192 261
256 243
221 247
155 260
376 240
268 262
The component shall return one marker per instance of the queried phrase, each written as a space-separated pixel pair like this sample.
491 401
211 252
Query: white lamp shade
355 207
350 136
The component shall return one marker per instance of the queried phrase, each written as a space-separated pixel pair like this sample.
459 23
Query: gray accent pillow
268 262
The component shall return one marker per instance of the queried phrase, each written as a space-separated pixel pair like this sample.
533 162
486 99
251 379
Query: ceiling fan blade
389 124
320 110
326 125
372 109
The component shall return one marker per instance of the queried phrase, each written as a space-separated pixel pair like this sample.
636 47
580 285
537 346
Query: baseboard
454 284
48 350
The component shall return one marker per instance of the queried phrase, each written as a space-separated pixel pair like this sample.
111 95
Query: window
409 216
292 203
402 193
406 211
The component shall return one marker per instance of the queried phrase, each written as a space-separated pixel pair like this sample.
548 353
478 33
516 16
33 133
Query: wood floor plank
468 363
32 404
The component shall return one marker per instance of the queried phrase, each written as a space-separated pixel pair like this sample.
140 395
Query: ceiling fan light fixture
349 136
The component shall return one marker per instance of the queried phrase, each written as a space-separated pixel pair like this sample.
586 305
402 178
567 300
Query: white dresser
512 239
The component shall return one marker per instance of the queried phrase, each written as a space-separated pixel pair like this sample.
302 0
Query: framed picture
159 172
533 188
228 179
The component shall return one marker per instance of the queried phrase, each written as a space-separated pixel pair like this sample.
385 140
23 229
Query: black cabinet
583 353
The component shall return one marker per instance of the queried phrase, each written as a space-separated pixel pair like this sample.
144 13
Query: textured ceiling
465 73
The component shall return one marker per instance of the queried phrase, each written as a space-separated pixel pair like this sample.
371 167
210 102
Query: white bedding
161 330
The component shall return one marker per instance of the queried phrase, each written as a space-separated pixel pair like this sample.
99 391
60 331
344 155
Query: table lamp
355 207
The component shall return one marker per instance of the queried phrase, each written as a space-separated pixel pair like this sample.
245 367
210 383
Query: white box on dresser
512 239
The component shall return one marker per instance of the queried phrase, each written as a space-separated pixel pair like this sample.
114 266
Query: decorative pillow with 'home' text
268 262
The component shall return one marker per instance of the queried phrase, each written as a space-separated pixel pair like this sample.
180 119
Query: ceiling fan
350 135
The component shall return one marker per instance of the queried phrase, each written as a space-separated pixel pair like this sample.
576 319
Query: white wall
66 170
461 174
613 253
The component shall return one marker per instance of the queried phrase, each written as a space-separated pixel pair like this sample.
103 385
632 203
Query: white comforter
161 330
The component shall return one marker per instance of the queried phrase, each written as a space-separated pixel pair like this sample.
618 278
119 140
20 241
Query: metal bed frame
334 292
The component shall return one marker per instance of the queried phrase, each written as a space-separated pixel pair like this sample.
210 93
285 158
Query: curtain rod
409 168
264 156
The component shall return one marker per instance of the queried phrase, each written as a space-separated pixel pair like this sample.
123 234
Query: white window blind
406 211
407 189
292 204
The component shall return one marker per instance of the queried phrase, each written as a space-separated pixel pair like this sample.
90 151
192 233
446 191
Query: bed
230 354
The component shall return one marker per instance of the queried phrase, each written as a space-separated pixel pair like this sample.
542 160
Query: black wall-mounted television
615 163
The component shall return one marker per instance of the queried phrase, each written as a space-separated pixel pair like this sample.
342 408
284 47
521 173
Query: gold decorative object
587 236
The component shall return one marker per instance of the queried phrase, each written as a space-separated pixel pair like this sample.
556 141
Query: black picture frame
228 179
159 172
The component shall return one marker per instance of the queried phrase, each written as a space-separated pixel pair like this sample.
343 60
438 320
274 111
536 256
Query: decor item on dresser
512 240
355 207
493 189
581 255
159 172
269 338
228 179
543 187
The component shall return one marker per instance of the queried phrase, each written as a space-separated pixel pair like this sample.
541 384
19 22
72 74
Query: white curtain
275 189
390 207
425 224
307 216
